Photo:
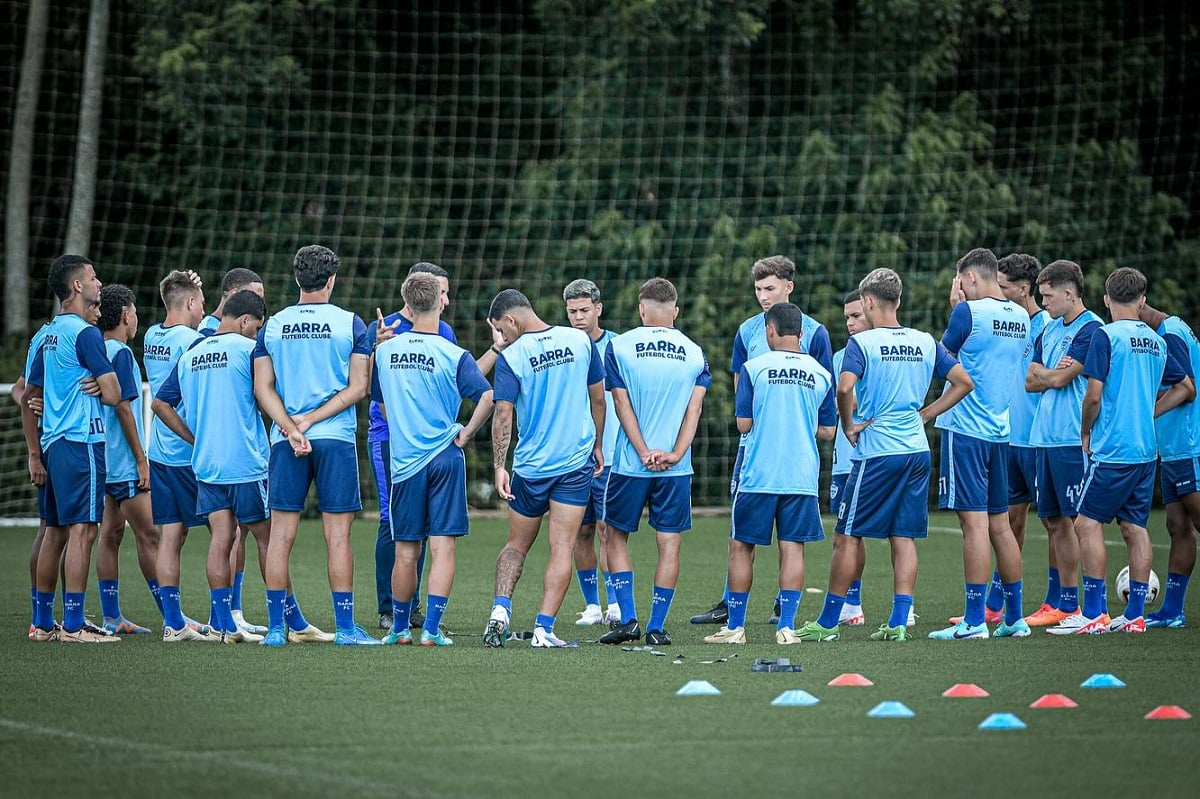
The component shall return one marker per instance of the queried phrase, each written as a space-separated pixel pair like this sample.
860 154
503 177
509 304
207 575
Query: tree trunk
83 191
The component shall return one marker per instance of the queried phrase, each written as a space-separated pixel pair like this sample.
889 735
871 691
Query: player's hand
598 456
37 470
853 433
301 446
503 486
384 331
143 470
88 385
462 439
1066 363
302 423
498 339
1087 444
36 404
957 294
195 278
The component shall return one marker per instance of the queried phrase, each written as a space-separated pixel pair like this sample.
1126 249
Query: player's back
161 348
750 341
1059 410
377 426
1178 430
1130 358
67 411
120 464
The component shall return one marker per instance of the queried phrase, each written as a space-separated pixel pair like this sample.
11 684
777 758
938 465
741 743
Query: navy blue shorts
433 501
381 468
532 496
332 466
1121 491
887 496
42 500
837 486
794 517
595 506
1059 480
670 501
1179 479
74 483
248 500
973 474
1022 474
126 489
173 495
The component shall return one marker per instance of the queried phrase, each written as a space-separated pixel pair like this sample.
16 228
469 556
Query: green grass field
142 719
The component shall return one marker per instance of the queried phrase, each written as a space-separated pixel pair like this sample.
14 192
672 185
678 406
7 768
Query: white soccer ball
1123 586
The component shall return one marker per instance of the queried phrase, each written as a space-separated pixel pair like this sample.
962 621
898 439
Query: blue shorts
1120 491
532 496
837 484
1059 480
736 476
1179 479
74 483
433 501
1022 474
887 496
173 495
332 465
381 468
973 474
42 500
248 500
126 489
670 499
795 517
595 506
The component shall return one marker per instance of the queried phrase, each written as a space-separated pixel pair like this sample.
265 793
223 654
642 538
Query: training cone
850 679
1054 701
1167 712
1002 721
964 690
891 710
796 698
1102 681
698 688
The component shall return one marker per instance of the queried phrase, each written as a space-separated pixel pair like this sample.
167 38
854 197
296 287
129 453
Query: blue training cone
796 698
891 710
1002 721
1102 681
698 688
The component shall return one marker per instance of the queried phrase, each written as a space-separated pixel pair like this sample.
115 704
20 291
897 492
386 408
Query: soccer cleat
186 633
203 629
718 615
416 619
42 636
245 626
496 632
885 633
612 616
727 636
439 639
852 616
547 640
310 635
355 636
85 636
402 638
1123 625
1046 616
123 626
657 638
811 631
623 634
385 621
592 614
1018 629
989 617
275 637
94 629
786 636
775 611
1078 624
912 619
241 636
961 632
1169 622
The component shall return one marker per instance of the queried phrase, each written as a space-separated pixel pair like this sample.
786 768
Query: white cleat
186 633
912 619
241 636
309 635
245 626
592 614
727 636
547 640
852 616
612 616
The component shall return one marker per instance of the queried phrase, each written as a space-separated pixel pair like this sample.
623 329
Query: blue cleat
1018 629
437 639
1168 622
356 636
960 632
123 626
276 636
401 638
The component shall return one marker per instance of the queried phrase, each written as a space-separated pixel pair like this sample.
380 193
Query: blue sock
219 617
608 589
737 608
73 611
44 611
832 610
172 615
227 611
343 610
1012 602
660 606
854 594
1177 586
1137 599
725 591
401 615
110 599
1068 599
1093 596
901 606
974 604
236 596
789 603
995 597
504 602
433 613
291 613
623 585
588 587
1054 589
154 592
33 614
277 608
545 622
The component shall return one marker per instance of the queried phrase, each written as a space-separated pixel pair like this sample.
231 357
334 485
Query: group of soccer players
1045 405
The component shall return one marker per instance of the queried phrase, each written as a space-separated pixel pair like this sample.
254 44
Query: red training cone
1168 712
964 690
849 679
1053 701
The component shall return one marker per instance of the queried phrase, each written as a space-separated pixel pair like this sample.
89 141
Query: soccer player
229 444
1178 434
658 378
987 333
1126 363
310 368
553 379
772 284
1056 373
785 402
72 445
582 298
235 280
1017 276
885 376
31 427
127 479
419 381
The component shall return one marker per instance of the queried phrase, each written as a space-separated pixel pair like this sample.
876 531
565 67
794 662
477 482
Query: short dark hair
1125 285
1020 268
114 299
786 318
982 260
313 266
779 266
658 289
176 287
506 301
1060 273
245 302
854 296
429 269
883 284
63 271
581 289
421 291
238 278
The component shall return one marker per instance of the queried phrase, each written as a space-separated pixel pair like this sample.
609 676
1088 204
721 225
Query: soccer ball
1123 586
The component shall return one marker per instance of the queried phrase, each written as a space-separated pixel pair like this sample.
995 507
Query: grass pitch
139 718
